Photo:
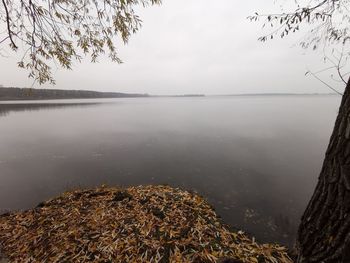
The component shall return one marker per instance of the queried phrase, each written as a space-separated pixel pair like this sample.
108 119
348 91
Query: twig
325 83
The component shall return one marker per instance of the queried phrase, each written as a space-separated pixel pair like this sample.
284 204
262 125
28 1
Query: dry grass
137 224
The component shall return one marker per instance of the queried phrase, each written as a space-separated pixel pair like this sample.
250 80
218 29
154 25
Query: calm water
256 159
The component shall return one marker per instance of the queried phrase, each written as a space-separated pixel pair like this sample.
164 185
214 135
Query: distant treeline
47 94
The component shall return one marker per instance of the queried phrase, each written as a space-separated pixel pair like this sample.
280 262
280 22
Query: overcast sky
194 46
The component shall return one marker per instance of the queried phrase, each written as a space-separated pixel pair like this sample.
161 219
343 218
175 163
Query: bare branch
325 83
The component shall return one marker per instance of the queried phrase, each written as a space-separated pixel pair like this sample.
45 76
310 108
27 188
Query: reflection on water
6 108
256 159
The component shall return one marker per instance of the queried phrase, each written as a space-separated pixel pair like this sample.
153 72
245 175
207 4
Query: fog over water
255 158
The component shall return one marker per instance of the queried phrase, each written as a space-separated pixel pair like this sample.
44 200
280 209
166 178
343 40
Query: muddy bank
137 224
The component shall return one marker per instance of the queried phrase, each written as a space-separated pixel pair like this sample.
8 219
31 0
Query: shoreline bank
136 224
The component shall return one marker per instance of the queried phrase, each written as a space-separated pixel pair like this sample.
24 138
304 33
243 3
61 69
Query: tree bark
324 232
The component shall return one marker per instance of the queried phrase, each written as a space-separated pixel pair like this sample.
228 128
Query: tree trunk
324 232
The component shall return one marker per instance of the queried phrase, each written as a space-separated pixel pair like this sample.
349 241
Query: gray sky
194 46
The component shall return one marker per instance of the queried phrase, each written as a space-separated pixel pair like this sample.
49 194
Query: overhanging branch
8 24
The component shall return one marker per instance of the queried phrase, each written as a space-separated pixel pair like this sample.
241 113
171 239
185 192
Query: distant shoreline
23 94
12 93
275 94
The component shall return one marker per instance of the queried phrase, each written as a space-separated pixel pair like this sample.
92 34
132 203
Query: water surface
255 158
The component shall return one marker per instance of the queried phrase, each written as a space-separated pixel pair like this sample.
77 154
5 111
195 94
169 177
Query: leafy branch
64 31
328 20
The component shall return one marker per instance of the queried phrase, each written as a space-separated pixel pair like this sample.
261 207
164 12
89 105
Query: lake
256 159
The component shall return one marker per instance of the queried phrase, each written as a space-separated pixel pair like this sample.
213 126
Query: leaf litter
137 224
